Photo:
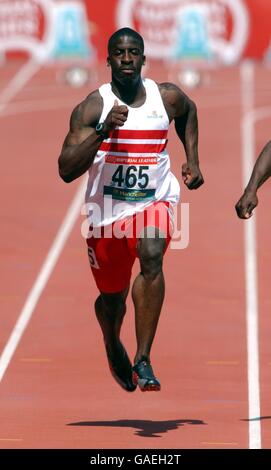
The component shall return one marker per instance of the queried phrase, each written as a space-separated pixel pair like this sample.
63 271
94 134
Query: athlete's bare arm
184 112
82 142
261 172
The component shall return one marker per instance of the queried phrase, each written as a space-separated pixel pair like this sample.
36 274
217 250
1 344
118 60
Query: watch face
99 127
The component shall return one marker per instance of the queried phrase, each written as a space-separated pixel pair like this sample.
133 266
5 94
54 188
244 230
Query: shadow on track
143 428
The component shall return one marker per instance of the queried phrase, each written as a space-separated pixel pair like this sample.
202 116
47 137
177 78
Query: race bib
130 178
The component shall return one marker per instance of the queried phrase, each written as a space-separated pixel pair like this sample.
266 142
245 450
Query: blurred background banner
220 31
208 31
46 29
26 26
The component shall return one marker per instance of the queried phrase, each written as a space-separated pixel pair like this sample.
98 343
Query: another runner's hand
192 176
117 116
246 204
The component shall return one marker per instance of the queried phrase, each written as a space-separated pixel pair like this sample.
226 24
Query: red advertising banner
209 31
259 39
46 29
25 26
223 31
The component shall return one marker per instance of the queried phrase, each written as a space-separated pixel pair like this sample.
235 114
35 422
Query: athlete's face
126 59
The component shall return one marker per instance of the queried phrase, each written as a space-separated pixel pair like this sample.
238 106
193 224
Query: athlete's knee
152 267
151 260
114 303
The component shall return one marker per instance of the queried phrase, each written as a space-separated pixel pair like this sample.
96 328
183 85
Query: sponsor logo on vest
206 30
155 115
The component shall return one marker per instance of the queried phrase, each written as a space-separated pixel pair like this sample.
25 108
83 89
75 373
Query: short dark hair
125 32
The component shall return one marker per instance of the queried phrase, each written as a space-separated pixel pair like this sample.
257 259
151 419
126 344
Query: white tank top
132 167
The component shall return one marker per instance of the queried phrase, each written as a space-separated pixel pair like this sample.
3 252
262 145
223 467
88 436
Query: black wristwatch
100 130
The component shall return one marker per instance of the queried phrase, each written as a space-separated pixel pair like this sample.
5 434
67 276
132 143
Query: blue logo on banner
192 39
71 38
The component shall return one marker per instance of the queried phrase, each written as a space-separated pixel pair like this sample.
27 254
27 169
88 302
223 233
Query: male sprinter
119 135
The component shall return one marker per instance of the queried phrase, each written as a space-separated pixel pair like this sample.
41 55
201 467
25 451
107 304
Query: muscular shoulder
88 112
175 100
170 90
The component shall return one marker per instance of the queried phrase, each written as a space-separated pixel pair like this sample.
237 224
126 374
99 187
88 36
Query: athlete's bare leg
148 292
110 310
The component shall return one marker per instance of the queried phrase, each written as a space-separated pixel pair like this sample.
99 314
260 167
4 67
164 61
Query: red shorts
112 254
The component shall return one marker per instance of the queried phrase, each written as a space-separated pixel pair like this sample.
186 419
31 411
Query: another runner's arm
261 172
262 169
184 112
82 141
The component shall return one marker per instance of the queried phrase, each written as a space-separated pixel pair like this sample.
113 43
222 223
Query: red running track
57 391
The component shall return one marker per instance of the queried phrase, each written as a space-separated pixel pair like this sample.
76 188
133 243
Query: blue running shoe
143 376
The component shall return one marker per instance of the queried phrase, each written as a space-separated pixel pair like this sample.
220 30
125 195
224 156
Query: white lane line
248 158
43 277
25 73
